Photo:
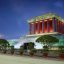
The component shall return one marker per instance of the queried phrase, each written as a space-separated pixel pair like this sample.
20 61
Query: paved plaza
11 59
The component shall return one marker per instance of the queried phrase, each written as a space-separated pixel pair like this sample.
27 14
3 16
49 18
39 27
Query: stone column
54 24
34 28
43 26
30 27
48 26
58 26
40 26
61 27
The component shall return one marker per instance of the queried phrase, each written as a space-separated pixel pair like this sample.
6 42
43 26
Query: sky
15 13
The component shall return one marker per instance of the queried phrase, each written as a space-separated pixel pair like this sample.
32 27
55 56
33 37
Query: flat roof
45 16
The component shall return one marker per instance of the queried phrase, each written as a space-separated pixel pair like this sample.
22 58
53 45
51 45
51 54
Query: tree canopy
31 45
47 39
4 42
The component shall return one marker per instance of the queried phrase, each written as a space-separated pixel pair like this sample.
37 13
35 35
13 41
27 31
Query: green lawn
10 59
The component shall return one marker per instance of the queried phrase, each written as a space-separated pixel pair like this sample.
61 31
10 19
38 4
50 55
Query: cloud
1 36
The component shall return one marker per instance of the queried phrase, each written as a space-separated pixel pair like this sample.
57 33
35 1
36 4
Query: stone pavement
11 59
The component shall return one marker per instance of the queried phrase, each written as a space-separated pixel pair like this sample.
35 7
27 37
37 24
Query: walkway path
8 59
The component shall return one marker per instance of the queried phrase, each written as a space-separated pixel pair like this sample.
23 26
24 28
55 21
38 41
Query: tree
12 49
30 45
61 49
45 51
3 45
21 50
47 39
31 48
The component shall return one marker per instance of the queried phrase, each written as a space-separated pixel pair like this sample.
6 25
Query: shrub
45 48
21 50
32 52
12 49
61 49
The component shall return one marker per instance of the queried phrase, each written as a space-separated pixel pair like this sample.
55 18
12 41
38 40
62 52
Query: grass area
11 59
